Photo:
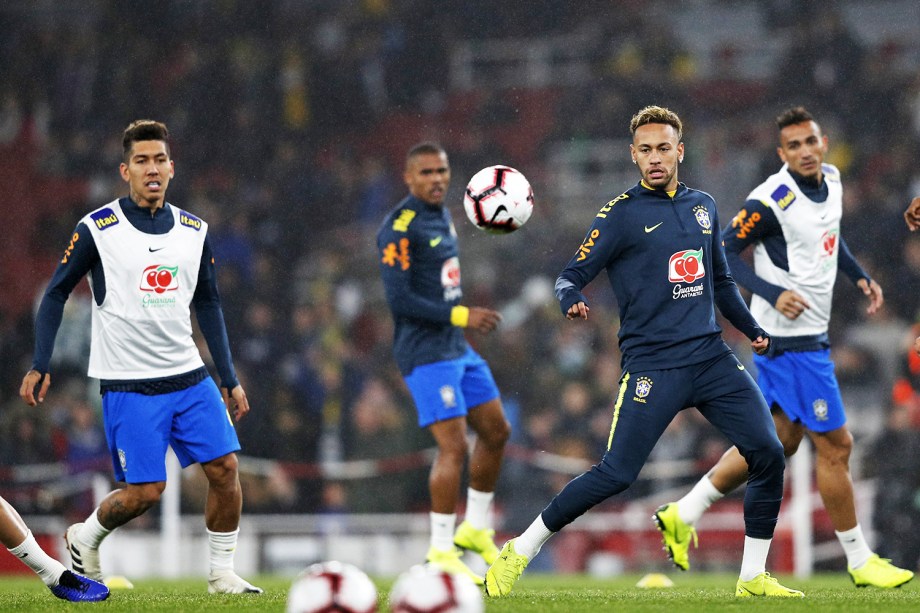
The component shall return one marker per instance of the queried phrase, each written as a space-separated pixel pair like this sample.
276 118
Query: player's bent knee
496 436
771 459
224 468
145 495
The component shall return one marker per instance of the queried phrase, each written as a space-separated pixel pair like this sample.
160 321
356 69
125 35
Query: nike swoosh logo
436 241
740 366
152 250
648 229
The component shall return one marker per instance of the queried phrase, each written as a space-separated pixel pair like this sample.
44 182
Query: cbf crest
122 460
820 408
448 396
643 389
702 218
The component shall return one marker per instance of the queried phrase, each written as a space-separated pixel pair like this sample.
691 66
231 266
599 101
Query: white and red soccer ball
332 587
423 589
498 199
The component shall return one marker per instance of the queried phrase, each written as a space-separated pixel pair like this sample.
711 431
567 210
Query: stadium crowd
289 123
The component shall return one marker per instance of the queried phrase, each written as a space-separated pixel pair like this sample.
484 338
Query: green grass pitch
693 592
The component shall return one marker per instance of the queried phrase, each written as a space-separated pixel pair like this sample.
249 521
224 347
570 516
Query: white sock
33 556
754 560
92 532
221 547
855 546
530 543
442 530
692 506
477 508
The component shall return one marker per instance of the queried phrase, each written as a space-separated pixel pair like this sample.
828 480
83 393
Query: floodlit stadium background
290 121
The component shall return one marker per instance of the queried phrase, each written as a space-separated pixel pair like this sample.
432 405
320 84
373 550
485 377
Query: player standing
148 262
792 220
668 271
452 386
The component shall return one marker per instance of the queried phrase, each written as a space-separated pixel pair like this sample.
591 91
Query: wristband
460 316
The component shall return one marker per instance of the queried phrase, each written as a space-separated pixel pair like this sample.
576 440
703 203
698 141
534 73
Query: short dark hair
144 129
792 116
657 114
425 148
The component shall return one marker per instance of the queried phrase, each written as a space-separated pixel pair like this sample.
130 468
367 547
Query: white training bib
812 233
143 328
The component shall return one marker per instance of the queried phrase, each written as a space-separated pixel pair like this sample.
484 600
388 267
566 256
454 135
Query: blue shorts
448 389
138 428
803 385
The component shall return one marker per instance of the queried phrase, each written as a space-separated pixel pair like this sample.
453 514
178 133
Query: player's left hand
874 291
236 402
761 344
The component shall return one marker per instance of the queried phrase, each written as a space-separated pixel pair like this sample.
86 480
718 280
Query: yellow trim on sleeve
460 316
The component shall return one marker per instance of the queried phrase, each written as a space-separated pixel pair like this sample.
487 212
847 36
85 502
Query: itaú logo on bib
160 278
686 266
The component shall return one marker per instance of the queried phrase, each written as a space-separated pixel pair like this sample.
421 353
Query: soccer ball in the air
498 199
332 587
423 589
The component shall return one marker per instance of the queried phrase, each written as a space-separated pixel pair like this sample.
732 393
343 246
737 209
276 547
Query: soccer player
452 386
792 220
148 262
18 539
660 246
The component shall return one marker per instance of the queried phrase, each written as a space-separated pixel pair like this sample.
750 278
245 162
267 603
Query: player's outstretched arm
236 402
29 382
912 214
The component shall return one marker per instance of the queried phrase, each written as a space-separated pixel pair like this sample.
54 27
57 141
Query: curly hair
144 129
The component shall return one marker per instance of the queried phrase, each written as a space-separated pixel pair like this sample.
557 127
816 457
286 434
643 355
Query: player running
792 221
660 246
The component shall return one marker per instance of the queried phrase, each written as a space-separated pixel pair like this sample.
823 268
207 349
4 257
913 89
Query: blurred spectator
379 430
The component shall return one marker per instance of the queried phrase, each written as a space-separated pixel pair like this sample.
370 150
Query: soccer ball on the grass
332 587
498 199
423 589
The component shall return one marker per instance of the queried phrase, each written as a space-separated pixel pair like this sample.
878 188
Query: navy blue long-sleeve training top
419 263
665 261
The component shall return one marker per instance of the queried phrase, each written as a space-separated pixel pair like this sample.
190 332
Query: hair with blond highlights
657 114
